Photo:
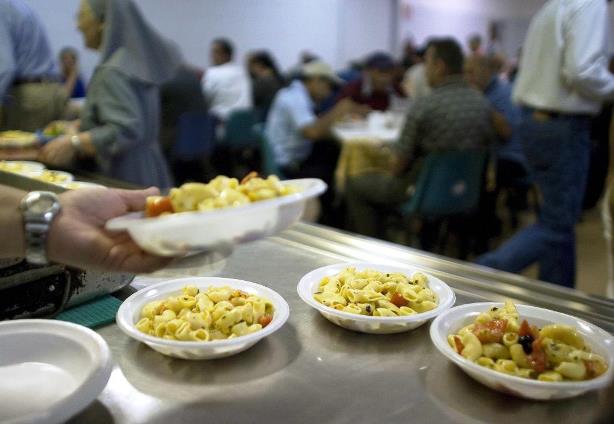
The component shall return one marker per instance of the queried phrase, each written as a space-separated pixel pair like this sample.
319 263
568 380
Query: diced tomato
528 330
249 176
265 320
398 300
459 344
590 369
491 332
157 205
537 358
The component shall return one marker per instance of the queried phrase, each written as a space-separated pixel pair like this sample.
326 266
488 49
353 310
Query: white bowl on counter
184 232
600 342
373 324
21 167
129 314
49 370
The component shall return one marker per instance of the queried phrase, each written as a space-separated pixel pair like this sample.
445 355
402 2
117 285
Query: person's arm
407 145
123 124
320 128
584 61
77 236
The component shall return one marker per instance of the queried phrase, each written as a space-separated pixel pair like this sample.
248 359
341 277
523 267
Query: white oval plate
184 232
368 324
49 370
130 311
600 342
21 166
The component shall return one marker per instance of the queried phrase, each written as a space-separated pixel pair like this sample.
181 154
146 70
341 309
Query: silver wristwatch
38 209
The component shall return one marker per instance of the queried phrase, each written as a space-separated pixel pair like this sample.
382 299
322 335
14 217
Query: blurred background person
120 122
559 93
301 140
376 87
30 93
415 84
474 42
453 117
266 80
70 73
226 85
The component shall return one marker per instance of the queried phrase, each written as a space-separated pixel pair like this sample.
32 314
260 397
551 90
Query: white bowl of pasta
375 298
178 233
527 352
202 318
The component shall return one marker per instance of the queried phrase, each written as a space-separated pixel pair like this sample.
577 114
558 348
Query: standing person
120 121
30 93
559 93
226 85
70 75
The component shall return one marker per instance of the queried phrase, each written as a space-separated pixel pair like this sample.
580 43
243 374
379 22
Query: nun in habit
120 120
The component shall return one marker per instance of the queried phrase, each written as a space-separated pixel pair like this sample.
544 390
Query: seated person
482 73
71 76
453 117
300 140
376 87
226 85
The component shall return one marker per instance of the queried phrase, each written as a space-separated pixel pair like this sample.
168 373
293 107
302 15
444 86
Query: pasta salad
499 340
216 313
221 192
374 293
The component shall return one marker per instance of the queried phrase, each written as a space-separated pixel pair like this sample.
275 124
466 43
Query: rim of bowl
594 383
305 281
124 314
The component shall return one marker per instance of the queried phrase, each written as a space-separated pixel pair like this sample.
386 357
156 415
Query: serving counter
312 371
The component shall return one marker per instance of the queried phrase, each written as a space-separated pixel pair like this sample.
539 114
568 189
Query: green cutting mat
96 313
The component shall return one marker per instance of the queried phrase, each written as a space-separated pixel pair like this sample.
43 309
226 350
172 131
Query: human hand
58 152
77 236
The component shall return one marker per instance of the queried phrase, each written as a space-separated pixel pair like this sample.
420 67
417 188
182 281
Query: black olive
527 343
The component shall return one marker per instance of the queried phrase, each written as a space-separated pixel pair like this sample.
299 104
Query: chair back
239 129
449 184
196 136
268 164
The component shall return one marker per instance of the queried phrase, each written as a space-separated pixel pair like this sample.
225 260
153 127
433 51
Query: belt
546 115
34 80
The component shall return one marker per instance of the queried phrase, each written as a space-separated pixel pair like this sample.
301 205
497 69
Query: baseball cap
379 60
318 68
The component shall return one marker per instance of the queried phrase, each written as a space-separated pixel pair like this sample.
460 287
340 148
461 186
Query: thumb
135 199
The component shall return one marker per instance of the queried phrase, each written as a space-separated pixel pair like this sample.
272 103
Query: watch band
36 242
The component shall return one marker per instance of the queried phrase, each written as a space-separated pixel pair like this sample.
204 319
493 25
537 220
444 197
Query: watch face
41 203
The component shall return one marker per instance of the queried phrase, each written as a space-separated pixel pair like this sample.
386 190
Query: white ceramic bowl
64 177
600 342
368 324
129 314
49 370
179 233
77 185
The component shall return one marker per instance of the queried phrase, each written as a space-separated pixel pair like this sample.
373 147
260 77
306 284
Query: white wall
336 30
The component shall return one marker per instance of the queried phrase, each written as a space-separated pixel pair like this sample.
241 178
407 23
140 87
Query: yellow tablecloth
359 158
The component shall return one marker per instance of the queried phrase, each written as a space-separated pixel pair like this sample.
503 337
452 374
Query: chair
239 130
194 145
268 165
448 189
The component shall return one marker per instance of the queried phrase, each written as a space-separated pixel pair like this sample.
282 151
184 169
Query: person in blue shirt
30 93
300 139
71 78
512 169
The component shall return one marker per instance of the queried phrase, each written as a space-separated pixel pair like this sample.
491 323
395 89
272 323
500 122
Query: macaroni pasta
203 315
498 340
374 293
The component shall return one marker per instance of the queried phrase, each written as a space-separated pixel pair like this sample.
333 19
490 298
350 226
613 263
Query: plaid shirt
453 117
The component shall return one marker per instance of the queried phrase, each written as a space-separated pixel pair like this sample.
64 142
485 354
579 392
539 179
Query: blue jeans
557 151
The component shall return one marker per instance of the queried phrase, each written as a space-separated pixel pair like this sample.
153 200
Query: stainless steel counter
314 372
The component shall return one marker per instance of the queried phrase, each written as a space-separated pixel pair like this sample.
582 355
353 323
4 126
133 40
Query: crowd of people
532 121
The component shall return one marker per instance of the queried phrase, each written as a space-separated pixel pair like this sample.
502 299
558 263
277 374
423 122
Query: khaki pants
32 106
